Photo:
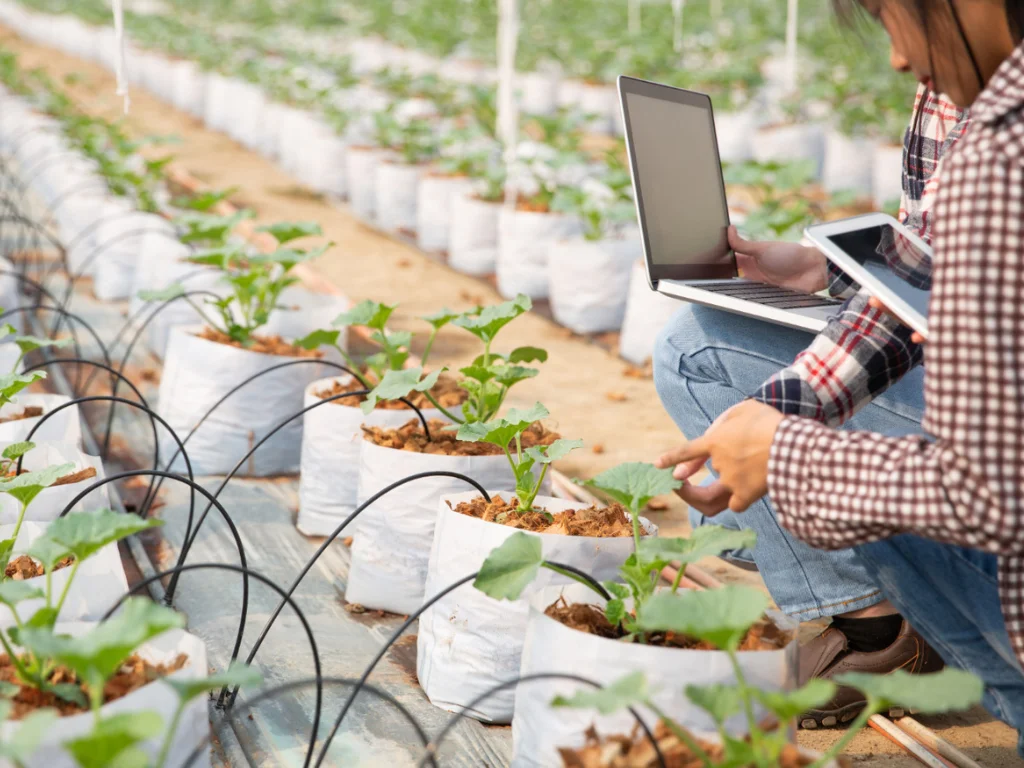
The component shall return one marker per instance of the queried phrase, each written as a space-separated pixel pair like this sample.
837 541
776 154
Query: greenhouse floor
613 407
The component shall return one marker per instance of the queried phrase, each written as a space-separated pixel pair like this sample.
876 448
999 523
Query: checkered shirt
835 489
863 351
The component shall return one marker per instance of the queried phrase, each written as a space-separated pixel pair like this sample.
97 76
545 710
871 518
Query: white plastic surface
588 282
63 427
473 244
538 729
469 643
887 175
646 314
361 169
396 188
523 240
435 201
50 502
849 163
802 141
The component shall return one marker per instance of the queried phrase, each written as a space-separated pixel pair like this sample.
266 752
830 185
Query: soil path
583 386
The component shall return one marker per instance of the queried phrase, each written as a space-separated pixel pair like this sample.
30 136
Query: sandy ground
583 385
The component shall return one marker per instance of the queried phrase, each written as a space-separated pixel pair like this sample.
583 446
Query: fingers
875 303
691 453
742 245
917 338
709 500
670 459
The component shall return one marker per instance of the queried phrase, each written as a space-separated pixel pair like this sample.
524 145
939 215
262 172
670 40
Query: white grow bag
523 240
646 313
538 92
179 312
473 242
361 170
588 282
395 190
118 252
733 131
599 102
538 729
849 163
98 585
392 538
158 697
435 201
803 141
198 373
50 502
469 643
64 427
332 439
887 174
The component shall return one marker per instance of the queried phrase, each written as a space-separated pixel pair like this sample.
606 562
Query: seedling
27 344
24 488
508 431
632 485
603 205
203 202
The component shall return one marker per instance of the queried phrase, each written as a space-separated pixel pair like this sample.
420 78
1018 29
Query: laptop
684 217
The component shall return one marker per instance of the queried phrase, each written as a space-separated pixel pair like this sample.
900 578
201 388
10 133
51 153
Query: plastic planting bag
473 243
332 439
395 188
435 200
588 282
523 240
470 643
550 646
63 427
647 312
361 169
392 538
51 502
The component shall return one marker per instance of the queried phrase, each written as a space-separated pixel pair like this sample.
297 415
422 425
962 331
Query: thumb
742 245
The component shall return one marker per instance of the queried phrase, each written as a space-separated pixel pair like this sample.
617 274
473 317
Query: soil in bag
267 345
636 751
135 673
446 391
30 412
24 567
583 617
410 437
601 522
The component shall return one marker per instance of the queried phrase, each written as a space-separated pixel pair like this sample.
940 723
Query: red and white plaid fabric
862 351
834 489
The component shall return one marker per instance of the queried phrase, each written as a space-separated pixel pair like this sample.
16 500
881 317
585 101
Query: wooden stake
669 574
936 743
918 750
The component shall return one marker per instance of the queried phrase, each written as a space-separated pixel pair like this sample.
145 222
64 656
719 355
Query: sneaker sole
838 718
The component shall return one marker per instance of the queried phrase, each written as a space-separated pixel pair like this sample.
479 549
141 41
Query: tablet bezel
819 235
656 272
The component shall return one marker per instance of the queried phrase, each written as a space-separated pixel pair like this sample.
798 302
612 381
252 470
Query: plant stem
678 578
442 409
852 730
748 708
18 665
635 515
574 576
165 748
426 349
67 585
682 734
206 319
353 365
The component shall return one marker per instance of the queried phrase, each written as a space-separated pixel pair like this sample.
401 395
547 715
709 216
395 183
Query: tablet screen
893 260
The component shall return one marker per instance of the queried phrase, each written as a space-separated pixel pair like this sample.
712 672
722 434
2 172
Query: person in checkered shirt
861 371
937 518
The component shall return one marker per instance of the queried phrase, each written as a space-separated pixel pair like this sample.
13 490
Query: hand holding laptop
789 265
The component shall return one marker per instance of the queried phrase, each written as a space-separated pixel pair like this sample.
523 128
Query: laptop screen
678 182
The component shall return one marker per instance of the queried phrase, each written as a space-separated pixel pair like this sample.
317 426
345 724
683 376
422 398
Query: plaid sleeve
860 354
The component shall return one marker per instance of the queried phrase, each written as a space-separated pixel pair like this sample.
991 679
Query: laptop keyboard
769 295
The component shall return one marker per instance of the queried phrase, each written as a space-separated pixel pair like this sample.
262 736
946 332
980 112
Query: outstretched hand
788 265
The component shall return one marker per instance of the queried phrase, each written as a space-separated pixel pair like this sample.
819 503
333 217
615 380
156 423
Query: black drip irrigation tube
408 623
246 574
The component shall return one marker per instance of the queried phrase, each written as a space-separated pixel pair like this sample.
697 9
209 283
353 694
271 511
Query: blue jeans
706 361
950 595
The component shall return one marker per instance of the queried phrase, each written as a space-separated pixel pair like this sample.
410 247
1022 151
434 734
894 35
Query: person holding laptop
938 520
861 371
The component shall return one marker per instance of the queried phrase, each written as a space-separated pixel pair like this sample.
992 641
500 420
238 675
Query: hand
738 444
876 303
788 265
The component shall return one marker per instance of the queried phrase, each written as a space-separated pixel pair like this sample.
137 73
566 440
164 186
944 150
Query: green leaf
204 201
44 618
786 705
69 692
237 674
635 484
319 338
950 690
510 568
510 375
17 450
501 432
25 487
618 590
478 372
85 533
173 291
721 616
31 343
20 746
289 257
369 314
615 611
397 384
12 383
486 323
221 258
625 692
439 320
527 355
96 655
13 592
286 231
706 541
719 701
546 454
112 737
47 551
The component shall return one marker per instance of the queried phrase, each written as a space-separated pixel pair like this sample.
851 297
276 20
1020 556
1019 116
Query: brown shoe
827 655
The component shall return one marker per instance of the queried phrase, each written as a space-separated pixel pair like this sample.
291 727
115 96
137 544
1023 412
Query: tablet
885 258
